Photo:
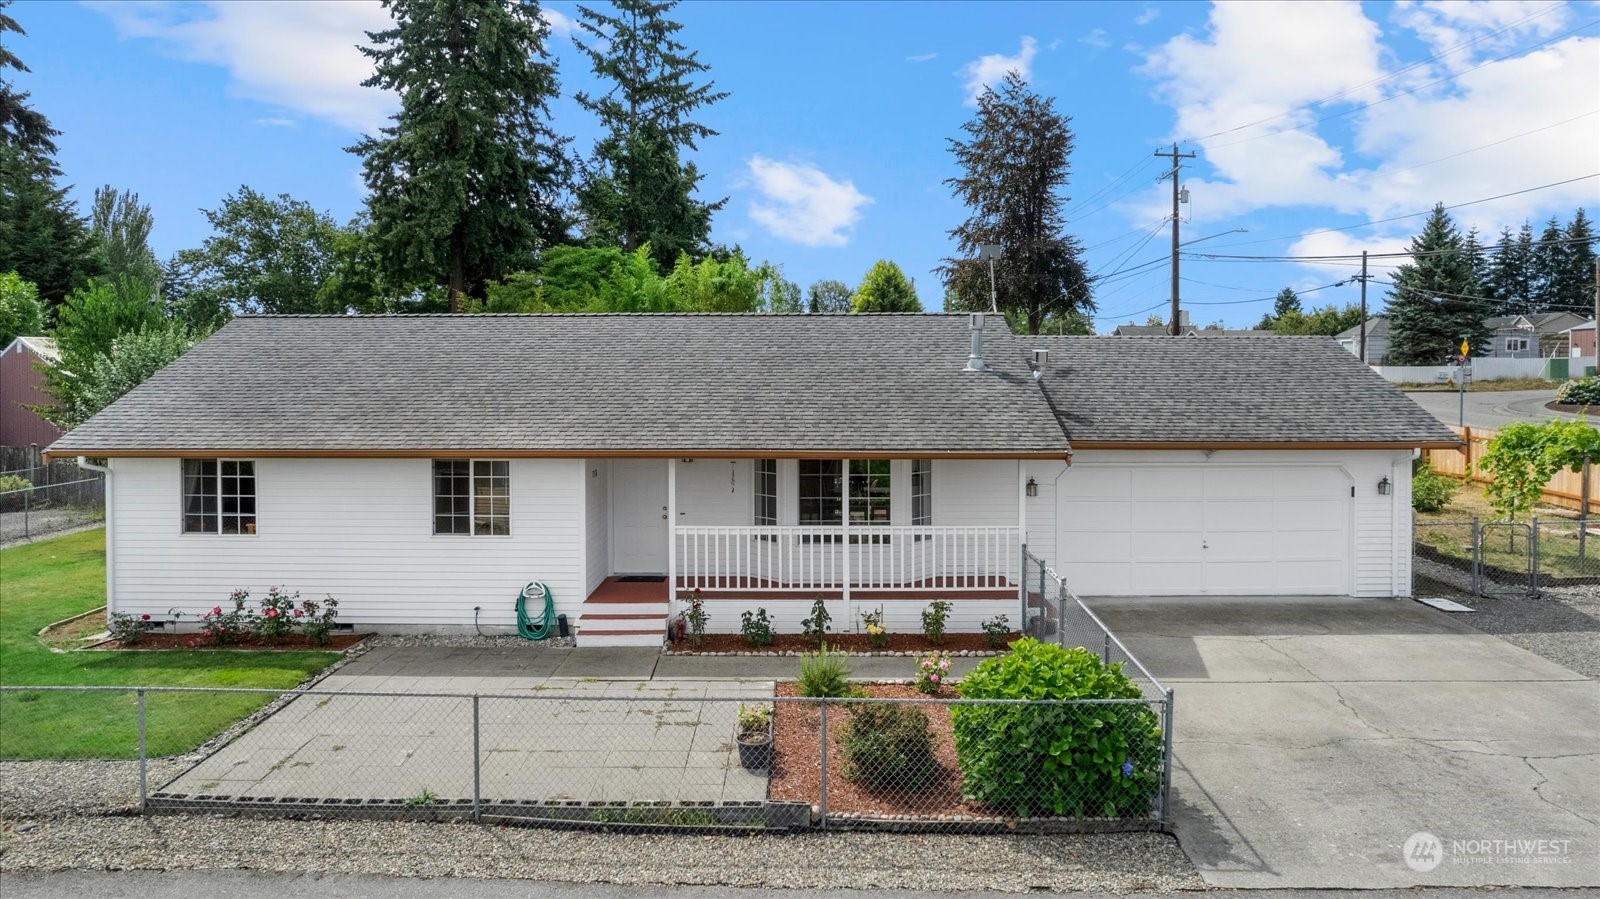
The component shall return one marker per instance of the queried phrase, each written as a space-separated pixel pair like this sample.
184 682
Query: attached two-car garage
1166 530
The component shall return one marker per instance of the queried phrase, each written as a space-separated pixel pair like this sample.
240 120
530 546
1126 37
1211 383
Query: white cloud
986 71
1150 14
273 122
560 24
799 202
1097 39
1464 31
1266 66
922 57
299 56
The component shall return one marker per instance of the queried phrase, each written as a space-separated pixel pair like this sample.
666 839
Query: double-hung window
472 497
766 492
219 496
922 492
829 487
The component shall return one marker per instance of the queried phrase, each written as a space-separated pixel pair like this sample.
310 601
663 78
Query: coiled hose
535 628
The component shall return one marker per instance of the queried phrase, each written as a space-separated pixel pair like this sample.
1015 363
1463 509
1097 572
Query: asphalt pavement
1490 409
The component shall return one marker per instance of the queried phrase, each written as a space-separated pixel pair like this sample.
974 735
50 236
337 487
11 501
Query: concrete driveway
1315 736
1490 409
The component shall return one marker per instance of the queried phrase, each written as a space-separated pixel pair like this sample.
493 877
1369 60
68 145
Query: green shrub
1430 490
933 620
1080 760
756 627
815 626
1580 392
887 746
10 482
825 673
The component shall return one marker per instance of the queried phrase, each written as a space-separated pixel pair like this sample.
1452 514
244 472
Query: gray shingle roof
1225 390
576 384
1188 331
1377 326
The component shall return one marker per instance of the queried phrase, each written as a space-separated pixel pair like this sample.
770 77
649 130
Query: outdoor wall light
1033 487
1383 487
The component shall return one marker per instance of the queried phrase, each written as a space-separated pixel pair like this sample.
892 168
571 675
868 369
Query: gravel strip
378 641
1562 625
1111 863
51 789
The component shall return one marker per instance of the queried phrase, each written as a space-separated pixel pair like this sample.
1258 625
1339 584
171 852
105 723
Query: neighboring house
1377 340
1580 341
21 386
422 468
1185 329
1533 336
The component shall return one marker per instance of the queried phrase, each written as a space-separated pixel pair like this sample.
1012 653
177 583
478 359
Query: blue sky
833 145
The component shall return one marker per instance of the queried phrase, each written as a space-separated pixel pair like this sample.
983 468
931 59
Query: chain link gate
1477 558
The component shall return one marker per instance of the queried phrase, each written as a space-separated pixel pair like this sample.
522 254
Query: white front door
1160 530
639 516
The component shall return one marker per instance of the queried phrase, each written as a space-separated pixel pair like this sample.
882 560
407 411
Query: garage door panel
1166 578
1107 546
1181 515
1195 529
1240 515
1098 515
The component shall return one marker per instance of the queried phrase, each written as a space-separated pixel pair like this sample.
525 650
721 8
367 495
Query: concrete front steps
621 623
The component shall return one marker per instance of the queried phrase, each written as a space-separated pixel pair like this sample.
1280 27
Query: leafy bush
1430 490
872 623
933 620
996 630
816 625
756 627
317 620
1580 392
888 746
825 674
10 499
933 670
276 619
129 629
10 482
225 628
1066 759
754 720
695 615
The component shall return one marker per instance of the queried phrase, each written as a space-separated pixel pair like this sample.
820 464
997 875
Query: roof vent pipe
975 360
1041 358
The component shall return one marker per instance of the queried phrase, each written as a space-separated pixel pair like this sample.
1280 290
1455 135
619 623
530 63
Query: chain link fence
647 754
39 509
1503 558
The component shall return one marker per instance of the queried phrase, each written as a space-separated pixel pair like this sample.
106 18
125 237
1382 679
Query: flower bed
856 644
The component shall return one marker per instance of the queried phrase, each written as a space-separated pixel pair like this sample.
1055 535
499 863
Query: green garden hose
535 628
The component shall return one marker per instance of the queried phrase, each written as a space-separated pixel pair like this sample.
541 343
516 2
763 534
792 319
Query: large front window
829 486
472 497
219 496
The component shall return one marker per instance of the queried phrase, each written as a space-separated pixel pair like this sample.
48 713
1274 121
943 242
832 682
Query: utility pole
1172 327
1362 340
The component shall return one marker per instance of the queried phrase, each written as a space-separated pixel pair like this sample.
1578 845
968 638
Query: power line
1379 80
1494 143
1486 248
1141 164
1411 215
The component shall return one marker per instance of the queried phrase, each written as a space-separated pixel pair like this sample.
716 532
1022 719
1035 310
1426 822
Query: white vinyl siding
596 506
360 529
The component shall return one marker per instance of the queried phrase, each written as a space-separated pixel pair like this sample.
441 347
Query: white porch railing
780 559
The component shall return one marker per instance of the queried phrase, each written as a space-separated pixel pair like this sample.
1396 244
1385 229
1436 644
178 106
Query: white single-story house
424 468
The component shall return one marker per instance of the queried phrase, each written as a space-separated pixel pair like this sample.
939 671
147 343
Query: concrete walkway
1315 736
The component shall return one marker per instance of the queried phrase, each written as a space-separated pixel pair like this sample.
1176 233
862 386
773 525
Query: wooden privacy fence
1564 490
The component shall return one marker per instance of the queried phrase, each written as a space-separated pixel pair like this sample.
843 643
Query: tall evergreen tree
1510 279
1478 257
1434 303
886 289
1014 171
1577 279
20 124
637 188
1286 302
1549 265
121 225
466 184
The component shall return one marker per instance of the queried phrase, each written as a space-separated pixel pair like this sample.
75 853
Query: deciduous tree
121 225
21 312
267 254
1014 171
467 183
828 297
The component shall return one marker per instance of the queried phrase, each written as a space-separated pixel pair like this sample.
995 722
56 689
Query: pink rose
272 613
297 613
145 617
216 610
934 678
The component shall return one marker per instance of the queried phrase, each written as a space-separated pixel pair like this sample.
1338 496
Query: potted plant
754 736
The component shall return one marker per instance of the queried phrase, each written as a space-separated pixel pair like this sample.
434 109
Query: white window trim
183 497
472 498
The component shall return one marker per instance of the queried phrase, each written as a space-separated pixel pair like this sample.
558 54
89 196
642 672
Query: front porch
676 528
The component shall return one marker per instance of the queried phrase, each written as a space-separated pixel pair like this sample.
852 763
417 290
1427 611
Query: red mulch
796 773
853 642
297 643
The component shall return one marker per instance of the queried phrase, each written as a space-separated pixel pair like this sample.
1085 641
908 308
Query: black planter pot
756 755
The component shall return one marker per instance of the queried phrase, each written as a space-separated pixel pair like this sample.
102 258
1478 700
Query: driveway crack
1527 760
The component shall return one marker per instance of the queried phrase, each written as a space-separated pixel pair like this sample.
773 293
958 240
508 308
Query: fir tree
1510 280
1434 302
20 124
885 289
1014 172
1549 265
1577 279
637 188
467 182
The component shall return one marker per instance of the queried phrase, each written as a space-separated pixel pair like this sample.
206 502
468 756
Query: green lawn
1559 546
54 579
1491 386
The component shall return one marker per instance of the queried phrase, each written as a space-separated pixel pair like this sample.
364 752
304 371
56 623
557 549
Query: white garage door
1204 529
